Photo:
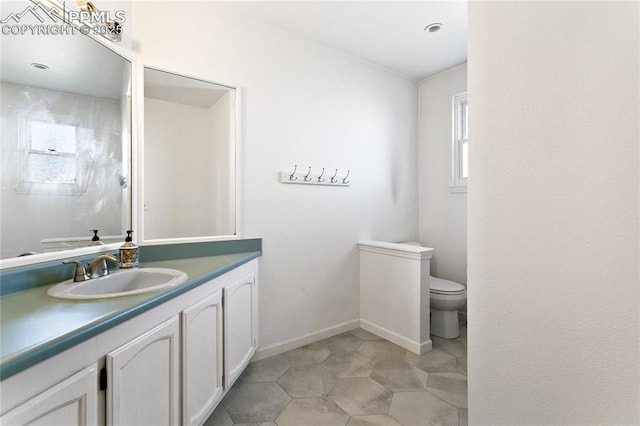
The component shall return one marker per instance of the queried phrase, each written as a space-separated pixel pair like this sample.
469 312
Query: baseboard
413 346
296 342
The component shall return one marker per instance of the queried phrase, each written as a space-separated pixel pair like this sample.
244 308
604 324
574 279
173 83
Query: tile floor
355 378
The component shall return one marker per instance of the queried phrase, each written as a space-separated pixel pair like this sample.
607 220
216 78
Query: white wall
307 105
553 212
442 214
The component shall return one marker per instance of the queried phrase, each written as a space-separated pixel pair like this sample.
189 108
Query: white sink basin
123 282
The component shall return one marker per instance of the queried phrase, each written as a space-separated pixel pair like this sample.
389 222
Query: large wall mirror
66 141
189 162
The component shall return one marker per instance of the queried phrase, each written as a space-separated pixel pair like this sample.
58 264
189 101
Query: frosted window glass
53 137
51 168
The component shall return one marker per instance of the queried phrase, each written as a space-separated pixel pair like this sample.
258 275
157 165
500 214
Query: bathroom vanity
166 357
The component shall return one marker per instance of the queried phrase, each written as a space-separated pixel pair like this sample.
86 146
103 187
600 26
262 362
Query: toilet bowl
446 297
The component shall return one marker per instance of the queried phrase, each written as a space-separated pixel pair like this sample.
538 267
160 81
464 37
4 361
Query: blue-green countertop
35 326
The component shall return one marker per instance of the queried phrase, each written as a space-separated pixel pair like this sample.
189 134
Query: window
50 159
460 144
51 152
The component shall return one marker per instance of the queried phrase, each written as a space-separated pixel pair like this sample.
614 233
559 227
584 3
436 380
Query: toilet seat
445 287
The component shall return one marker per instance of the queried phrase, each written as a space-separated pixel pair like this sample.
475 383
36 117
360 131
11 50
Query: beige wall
553 213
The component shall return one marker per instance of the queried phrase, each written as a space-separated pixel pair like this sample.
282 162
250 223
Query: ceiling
389 34
180 89
76 63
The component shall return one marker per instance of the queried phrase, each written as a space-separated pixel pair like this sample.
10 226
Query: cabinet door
71 402
143 379
241 325
201 358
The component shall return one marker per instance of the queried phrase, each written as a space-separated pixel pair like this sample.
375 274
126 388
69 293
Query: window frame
28 186
459 123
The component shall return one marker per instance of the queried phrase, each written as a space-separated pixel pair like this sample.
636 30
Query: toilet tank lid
438 284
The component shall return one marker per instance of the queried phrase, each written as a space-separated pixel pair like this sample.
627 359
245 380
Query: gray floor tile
463 417
434 361
374 420
360 396
364 334
306 355
307 381
219 417
422 408
256 424
455 347
312 411
462 365
354 373
255 402
381 350
266 370
342 343
399 376
348 364
450 387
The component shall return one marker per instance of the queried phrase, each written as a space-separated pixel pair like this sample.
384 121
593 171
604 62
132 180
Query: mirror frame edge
138 188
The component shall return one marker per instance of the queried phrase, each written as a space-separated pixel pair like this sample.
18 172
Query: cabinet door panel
70 402
202 358
240 308
143 386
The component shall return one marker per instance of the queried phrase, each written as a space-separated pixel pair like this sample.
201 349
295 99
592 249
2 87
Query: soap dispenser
129 252
95 240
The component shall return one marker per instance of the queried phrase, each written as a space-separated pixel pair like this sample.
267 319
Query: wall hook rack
311 178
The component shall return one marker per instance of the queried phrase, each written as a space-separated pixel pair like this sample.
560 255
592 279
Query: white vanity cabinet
143 378
241 325
74 401
169 365
202 358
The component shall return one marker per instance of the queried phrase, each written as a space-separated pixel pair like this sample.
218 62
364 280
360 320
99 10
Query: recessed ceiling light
433 28
39 66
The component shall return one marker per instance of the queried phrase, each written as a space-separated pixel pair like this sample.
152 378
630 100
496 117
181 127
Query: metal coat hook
345 178
333 178
292 176
320 177
307 178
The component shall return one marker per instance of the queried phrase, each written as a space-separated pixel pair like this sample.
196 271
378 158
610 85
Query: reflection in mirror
65 141
189 157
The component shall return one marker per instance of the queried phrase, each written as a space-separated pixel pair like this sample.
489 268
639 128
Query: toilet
446 297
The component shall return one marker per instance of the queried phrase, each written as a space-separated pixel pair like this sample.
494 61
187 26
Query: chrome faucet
97 268
80 274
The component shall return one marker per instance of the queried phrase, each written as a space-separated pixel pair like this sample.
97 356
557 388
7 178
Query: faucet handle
98 267
80 273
